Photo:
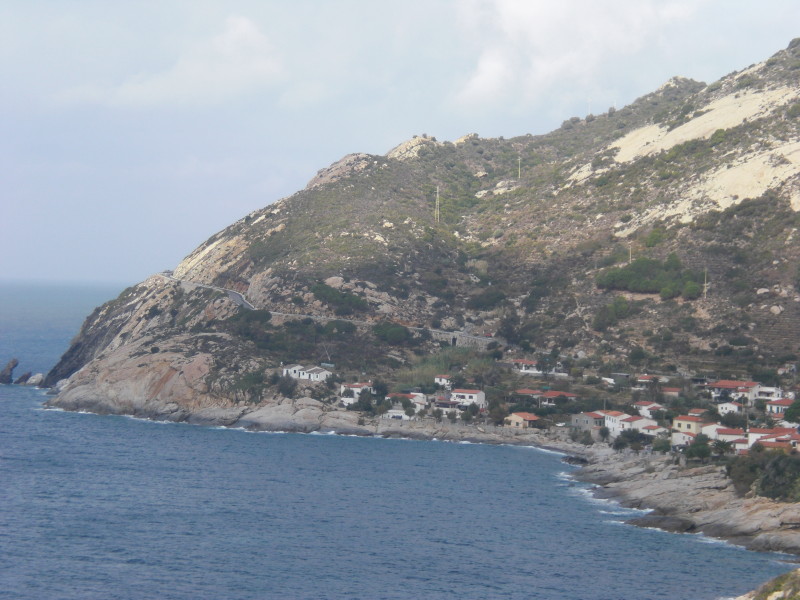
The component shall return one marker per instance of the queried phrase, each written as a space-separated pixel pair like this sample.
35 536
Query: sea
111 507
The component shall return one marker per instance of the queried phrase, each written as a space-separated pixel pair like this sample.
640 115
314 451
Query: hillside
697 185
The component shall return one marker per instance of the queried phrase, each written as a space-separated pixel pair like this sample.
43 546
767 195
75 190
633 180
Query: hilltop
663 234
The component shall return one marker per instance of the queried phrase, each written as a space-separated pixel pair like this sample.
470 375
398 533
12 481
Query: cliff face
513 247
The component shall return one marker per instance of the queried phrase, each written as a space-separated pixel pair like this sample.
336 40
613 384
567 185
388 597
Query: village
647 411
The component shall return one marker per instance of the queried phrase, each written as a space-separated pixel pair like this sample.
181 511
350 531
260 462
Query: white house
729 407
467 397
647 408
295 371
612 420
418 399
587 421
682 438
398 414
443 381
531 367
312 374
637 422
777 408
318 374
349 392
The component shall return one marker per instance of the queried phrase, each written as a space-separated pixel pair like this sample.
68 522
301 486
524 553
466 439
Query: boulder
35 380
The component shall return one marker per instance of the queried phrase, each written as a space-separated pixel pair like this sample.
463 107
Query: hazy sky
132 131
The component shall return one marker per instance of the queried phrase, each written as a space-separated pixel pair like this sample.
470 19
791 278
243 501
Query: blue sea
111 507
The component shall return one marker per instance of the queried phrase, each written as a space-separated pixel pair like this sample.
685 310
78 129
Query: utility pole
630 252
705 283
436 211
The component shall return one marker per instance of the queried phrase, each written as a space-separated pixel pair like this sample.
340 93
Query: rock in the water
7 374
23 379
35 380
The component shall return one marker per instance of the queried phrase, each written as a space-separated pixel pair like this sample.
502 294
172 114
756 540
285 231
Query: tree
452 416
662 445
437 414
604 433
287 386
722 447
699 448
793 412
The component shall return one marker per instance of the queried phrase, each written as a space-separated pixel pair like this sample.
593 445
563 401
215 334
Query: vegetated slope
702 178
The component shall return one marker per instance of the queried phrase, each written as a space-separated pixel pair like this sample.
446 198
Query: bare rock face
134 380
699 499
7 374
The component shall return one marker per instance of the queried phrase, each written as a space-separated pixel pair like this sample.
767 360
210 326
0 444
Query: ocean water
117 508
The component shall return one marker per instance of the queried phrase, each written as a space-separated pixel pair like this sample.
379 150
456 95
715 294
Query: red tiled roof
594 415
689 418
557 394
730 384
527 392
441 376
767 444
781 402
610 413
526 416
726 431
668 389
466 391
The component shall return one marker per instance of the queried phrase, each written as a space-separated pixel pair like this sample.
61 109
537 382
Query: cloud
238 61
528 48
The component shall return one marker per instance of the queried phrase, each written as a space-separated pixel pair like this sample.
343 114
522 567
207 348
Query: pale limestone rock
334 282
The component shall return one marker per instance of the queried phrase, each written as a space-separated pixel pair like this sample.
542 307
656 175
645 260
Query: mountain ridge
709 173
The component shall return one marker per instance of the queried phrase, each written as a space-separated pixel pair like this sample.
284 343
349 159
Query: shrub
391 333
344 303
487 299
651 276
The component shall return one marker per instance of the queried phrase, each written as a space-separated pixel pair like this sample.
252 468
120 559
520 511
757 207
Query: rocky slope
785 587
524 227
697 499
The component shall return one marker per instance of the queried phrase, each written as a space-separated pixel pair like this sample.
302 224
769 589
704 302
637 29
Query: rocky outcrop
7 374
784 587
695 499
23 379
35 380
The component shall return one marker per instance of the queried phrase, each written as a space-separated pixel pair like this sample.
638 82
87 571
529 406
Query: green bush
486 300
344 303
651 276
391 333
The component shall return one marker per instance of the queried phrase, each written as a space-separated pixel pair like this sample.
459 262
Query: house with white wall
467 397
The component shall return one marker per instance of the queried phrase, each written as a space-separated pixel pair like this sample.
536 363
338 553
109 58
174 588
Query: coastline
680 499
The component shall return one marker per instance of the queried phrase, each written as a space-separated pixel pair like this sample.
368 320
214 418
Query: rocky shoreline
681 499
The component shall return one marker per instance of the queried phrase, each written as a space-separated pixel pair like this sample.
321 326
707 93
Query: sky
130 132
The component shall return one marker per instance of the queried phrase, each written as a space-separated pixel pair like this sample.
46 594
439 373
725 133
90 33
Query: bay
113 507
